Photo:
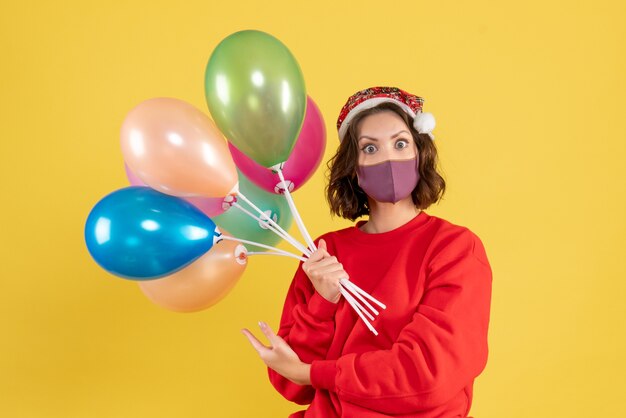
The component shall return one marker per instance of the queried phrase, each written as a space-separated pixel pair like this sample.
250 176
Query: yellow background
529 102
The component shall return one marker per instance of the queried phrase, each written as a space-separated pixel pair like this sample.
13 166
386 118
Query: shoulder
451 240
334 236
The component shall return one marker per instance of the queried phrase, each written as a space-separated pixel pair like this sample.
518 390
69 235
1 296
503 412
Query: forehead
381 125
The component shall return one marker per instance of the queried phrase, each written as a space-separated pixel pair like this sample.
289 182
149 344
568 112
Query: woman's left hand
279 356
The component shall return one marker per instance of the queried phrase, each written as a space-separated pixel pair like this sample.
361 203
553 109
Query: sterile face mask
390 180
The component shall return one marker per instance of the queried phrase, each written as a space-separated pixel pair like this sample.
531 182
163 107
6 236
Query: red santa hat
371 97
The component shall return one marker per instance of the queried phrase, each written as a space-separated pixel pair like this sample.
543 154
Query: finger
258 345
321 251
323 248
338 275
324 252
271 336
325 262
316 255
328 269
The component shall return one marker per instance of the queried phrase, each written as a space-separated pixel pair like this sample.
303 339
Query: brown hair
346 198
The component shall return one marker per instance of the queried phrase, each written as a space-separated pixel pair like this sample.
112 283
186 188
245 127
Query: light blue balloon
139 233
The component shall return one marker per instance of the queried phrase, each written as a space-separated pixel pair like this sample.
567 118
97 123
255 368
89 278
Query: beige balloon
176 149
202 283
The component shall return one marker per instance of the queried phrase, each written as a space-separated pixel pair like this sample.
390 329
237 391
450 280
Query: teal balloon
138 233
241 225
255 92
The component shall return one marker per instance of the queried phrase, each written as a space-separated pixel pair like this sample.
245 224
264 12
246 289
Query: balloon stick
358 295
272 253
258 244
278 168
352 303
274 224
347 286
356 288
285 236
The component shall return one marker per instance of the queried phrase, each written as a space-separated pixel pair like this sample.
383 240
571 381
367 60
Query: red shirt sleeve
438 353
307 324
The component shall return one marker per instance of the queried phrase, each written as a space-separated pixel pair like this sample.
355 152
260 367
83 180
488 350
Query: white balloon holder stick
258 244
272 228
294 210
346 286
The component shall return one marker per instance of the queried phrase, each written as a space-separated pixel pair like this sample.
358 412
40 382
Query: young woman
433 276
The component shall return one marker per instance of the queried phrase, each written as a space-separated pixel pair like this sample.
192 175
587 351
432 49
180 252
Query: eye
368 149
402 143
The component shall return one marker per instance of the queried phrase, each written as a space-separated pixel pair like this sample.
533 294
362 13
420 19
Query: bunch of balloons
179 229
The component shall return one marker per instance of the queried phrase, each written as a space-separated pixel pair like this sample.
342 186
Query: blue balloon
139 233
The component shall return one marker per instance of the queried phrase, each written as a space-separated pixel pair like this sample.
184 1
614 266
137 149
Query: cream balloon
176 149
202 283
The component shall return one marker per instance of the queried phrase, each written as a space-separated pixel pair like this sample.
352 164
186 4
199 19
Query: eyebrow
392 136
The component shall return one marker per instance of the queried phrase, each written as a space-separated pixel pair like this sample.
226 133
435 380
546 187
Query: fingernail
261 324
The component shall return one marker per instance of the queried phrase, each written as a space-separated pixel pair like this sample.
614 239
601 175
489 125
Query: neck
386 216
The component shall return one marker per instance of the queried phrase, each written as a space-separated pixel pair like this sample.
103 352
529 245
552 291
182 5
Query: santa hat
371 97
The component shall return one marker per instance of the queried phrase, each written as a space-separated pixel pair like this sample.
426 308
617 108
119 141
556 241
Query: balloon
210 206
139 233
303 160
245 227
256 95
176 149
202 283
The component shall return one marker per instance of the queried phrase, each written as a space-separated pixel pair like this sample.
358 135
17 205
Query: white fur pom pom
424 122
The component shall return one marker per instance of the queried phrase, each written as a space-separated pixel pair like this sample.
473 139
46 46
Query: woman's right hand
325 271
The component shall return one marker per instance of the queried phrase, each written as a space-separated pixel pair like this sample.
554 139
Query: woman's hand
325 271
280 357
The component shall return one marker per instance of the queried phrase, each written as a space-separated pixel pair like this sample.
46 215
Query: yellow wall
529 102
